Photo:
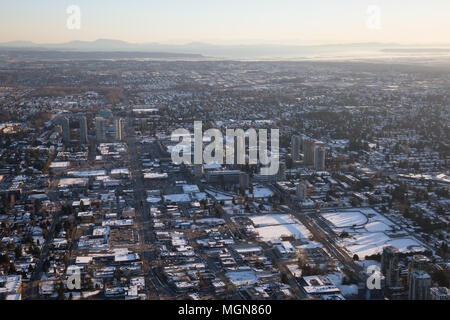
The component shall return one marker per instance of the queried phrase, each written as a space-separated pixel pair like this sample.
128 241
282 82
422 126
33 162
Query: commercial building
419 285
281 176
295 148
198 170
244 181
439 293
83 130
308 152
100 129
389 266
319 157
65 129
301 191
118 128
225 176
418 262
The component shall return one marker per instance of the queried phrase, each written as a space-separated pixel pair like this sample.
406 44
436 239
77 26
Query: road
32 290
325 235
155 285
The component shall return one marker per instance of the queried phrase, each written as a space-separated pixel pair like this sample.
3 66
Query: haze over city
290 22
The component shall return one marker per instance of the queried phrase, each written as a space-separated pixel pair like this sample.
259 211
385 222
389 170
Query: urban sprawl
88 187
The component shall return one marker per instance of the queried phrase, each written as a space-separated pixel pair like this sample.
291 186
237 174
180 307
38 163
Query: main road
155 286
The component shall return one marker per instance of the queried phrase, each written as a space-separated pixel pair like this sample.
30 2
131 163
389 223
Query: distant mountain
98 49
49 54
97 45
19 44
222 51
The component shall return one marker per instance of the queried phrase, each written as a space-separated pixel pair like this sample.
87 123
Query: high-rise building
389 266
308 152
439 293
83 130
118 128
100 129
281 175
244 181
319 157
65 129
198 170
302 191
418 262
295 148
419 285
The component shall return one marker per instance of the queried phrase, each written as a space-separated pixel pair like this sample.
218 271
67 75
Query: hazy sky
227 21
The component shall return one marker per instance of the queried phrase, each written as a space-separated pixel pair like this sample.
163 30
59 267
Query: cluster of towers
64 123
313 152
418 280
106 128
101 129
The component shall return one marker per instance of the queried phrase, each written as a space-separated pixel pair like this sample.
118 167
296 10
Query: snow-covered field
259 192
272 227
369 232
366 244
346 218
274 233
377 226
272 220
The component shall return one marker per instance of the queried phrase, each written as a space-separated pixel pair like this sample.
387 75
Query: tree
18 252
60 291
443 249
37 206
12 268
284 278
4 259
442 277
344 234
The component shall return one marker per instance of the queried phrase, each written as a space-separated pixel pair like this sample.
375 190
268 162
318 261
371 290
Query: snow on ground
294 270
366 263
272 220
272 227
259 192
377 226
366 244
218 196
346 290
344 219
240 278
407 245
371 234
311 245
274 233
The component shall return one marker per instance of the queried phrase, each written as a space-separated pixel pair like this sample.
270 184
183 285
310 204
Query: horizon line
207 42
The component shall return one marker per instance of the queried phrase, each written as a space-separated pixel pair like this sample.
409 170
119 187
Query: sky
229 21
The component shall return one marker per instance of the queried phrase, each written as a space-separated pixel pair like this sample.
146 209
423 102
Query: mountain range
229 51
